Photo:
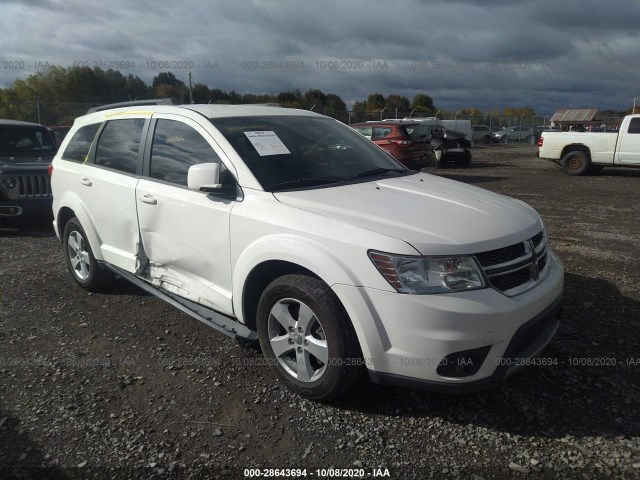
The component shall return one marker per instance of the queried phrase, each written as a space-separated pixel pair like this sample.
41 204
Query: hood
435 215
453 135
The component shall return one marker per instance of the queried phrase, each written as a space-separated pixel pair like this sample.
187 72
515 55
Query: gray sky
545 54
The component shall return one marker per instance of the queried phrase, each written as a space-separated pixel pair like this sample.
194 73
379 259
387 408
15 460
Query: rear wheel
80 260
576 163
486 139
527 139
307 337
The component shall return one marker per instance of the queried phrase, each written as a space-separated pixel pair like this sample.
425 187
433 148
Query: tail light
50 169
402 142
540 140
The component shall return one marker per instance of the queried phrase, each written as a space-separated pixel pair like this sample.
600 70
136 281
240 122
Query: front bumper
26 207
404 338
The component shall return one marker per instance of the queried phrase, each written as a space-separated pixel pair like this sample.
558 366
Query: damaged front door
185 234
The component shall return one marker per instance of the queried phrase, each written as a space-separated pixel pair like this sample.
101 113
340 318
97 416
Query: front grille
34 185
517 268
501 255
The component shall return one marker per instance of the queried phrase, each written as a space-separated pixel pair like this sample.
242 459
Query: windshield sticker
267 143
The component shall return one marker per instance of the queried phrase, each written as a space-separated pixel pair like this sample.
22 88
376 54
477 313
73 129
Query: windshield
294 152
25 142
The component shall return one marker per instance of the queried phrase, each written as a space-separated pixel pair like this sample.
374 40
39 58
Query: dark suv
26 150
406 141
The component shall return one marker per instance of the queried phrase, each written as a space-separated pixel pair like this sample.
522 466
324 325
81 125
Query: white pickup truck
580 153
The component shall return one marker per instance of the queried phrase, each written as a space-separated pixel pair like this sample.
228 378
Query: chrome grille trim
524 272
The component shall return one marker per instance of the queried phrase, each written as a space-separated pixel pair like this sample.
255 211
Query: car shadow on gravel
33 230
589 388
618 172
473 178
20 457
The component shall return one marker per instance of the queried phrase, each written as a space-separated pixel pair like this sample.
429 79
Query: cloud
544 54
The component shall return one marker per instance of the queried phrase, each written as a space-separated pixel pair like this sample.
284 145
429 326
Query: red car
408 142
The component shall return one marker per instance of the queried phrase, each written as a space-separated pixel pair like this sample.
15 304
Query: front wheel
575 163
80 260
307 337
465 160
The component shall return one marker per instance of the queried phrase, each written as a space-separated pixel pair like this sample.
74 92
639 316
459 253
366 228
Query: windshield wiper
374 171
304 182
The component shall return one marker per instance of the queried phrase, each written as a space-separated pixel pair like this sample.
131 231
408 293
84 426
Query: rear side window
79 145
176 147
366 131
119 144
381 132
634 125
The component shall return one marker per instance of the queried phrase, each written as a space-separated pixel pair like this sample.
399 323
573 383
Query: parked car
481 134
449 146
513 134
579 153
288 227
59 132
406 141
26 150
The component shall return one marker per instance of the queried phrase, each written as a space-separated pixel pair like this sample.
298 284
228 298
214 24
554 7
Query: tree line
57 95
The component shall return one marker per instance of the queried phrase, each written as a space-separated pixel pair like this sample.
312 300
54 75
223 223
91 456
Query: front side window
286 152
119 144
79 146
177 146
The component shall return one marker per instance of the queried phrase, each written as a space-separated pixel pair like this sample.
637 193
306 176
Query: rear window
634 125
79 145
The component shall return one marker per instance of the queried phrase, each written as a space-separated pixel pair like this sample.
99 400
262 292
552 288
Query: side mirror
204 177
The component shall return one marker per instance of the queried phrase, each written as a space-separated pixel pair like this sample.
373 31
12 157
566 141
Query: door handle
86 181
148 199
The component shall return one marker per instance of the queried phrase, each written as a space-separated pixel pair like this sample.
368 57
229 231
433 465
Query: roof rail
133 103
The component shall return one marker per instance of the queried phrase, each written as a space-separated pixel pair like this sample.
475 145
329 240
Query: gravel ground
121 385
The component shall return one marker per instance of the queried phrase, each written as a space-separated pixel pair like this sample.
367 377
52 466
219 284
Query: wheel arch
71 207
575 147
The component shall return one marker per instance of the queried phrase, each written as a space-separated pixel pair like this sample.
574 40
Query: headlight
428 275
9 183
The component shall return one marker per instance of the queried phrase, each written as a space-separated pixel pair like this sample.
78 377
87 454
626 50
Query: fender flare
72 201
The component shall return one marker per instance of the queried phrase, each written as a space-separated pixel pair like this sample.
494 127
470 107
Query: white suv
288 227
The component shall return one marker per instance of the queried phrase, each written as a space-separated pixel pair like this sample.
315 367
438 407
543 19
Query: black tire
466 160
576 163
486 139
505 139
527 139
324 327
83 266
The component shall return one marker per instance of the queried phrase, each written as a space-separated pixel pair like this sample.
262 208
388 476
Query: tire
576 163
464 161
307 338
486 139
527 139
80 260
504 139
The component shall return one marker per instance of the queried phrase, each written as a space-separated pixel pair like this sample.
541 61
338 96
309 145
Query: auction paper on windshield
267 143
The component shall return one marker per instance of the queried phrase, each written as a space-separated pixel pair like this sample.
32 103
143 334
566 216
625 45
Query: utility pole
38 109
634 105
190 92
